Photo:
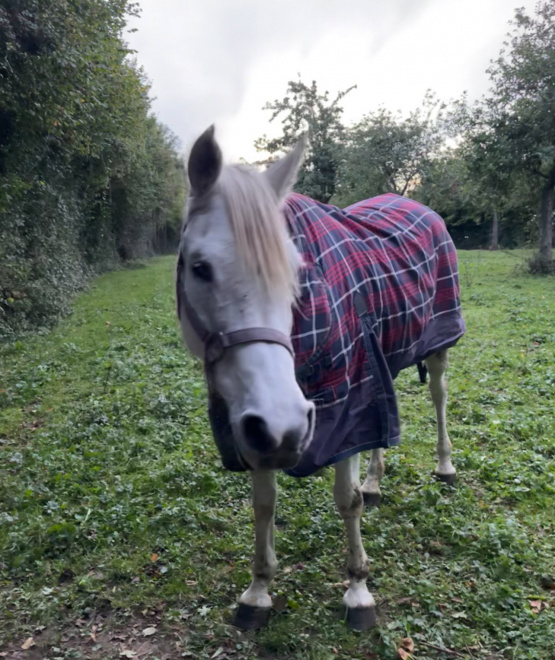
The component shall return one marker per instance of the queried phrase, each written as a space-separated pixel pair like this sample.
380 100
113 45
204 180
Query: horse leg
437 365
255 603
371 486
358 601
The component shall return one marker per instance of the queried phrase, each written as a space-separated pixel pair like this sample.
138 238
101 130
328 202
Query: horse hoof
372 500
449 479
361 618
248 617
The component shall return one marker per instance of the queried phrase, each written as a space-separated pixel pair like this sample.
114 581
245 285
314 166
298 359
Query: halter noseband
215 343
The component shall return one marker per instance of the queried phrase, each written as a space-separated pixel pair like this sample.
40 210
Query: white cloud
221 60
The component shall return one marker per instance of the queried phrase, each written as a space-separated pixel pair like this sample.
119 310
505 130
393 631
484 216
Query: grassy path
115 517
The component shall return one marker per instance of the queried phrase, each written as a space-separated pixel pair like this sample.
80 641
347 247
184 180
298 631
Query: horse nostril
257 434
294 439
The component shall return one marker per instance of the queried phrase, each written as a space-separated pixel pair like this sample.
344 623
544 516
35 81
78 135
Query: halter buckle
214 347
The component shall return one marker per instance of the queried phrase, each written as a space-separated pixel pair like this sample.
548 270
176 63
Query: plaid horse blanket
379 293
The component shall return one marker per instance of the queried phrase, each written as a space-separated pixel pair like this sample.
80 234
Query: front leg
359 603
255 603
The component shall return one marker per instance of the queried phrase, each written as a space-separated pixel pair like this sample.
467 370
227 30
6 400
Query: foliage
385 152
304 108
85 175
116 517
513 128
456 186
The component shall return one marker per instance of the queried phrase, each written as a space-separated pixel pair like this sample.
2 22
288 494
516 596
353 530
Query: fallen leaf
218 652
135 580
536 605
203 611
153 557
408 644
404 655
147 632
126 653
28 643
459 615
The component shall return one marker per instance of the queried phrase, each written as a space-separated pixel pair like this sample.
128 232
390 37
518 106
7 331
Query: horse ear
205 163
282 174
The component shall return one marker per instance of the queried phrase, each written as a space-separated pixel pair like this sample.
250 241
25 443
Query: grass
116 517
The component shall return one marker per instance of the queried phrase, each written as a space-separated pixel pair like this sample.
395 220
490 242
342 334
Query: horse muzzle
251 445
264 448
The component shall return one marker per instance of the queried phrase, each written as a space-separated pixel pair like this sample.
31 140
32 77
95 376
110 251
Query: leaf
28 643
218 652
404 655
536 605
203 611
151 630
126 653
280 603
153 557
408 644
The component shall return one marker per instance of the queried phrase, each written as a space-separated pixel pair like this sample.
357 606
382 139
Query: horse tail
422 371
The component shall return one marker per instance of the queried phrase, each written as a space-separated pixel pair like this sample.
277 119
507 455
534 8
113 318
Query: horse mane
259 229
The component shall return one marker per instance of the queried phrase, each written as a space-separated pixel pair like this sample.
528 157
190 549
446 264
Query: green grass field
121 535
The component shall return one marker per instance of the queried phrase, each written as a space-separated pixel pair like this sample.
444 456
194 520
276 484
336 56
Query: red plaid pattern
398 254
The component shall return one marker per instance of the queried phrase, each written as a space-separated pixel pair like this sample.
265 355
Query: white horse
236 290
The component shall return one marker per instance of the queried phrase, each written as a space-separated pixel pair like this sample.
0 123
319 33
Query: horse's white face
272 423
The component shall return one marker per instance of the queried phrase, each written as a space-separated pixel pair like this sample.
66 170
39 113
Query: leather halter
215 343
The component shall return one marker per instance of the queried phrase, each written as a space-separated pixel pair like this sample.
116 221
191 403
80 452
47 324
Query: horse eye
202 271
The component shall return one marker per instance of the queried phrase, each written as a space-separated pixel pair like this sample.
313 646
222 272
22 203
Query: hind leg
371 486
437 365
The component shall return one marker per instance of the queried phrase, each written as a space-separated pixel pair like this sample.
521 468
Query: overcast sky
219 61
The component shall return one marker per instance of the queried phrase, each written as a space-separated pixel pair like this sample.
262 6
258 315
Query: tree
520 112
488 172
86 175
385 152
303 108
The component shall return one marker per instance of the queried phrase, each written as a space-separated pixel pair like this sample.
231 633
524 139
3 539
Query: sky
220 61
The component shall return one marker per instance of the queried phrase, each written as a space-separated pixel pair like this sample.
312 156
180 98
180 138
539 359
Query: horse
304 314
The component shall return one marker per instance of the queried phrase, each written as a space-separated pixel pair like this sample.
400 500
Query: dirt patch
100 638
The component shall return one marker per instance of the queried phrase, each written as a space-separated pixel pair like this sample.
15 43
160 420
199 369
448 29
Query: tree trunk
546 221
494 245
